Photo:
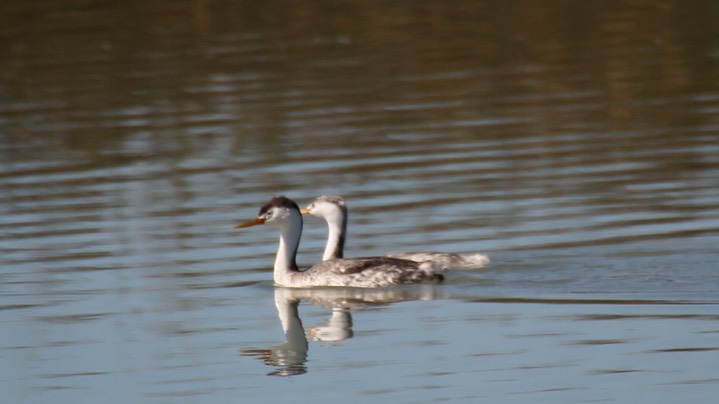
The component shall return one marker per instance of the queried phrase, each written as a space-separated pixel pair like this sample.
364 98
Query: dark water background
577 143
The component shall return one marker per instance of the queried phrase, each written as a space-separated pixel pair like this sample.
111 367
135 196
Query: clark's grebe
334 210
284 214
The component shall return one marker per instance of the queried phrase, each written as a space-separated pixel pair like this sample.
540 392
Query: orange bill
305 211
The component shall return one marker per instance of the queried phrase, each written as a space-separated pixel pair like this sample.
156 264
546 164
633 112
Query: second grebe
284 214
334 210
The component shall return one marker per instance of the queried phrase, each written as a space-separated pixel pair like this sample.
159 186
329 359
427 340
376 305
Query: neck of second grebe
336 239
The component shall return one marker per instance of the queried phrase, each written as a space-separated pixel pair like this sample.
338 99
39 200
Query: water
575 143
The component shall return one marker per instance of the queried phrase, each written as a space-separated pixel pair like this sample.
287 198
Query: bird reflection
290 357
337 328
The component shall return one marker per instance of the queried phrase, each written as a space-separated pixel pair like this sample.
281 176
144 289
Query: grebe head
331 208
280 212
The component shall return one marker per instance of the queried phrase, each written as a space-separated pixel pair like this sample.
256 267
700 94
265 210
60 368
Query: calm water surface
576 143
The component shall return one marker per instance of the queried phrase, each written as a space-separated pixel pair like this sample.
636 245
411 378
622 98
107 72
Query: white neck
285 262
335 241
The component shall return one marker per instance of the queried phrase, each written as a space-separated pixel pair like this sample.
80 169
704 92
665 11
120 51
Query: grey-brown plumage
284 214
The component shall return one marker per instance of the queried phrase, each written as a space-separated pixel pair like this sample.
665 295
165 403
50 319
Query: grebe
334 210
284 214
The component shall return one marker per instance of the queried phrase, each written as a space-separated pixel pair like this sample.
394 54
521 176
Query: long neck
285 262
336 240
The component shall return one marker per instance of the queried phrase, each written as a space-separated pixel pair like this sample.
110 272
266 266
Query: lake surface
575 143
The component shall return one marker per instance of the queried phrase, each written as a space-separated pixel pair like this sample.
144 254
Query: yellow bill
250 223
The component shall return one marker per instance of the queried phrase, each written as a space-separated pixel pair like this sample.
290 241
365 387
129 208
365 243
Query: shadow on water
290 357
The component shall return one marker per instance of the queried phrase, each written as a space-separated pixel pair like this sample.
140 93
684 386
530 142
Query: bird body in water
333 210
283 214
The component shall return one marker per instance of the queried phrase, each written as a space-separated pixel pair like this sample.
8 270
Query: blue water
575 145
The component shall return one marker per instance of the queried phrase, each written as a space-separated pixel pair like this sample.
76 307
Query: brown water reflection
575 142
258 69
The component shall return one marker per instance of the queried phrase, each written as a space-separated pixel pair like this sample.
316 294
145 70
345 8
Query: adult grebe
284 214
334 210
